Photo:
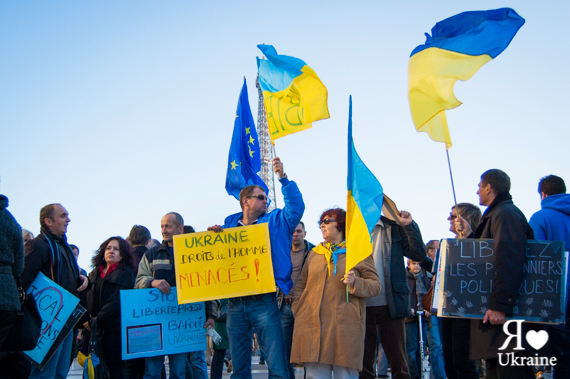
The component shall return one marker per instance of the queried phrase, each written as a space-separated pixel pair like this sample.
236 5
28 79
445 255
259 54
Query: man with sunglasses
261 311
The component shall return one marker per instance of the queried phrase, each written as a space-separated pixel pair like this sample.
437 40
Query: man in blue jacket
261 311
552 223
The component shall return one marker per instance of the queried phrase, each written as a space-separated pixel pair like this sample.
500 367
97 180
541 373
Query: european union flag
244 158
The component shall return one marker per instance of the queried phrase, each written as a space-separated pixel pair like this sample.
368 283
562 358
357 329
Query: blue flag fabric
244 158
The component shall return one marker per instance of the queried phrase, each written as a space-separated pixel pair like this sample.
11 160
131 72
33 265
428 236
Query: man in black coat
391 242
509 229
50 254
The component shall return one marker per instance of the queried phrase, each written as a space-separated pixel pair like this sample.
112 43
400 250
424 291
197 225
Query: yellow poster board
235 262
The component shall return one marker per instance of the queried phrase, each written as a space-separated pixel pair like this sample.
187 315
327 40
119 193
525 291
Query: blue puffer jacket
282 224
552 222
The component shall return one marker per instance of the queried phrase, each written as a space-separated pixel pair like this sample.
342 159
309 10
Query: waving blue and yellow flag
293 94
244 158
364 204
458 47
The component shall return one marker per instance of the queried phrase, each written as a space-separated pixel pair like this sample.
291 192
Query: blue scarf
331 249
56 253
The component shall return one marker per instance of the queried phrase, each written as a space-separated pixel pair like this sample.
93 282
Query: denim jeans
176 362
58 366
196 366
435 352
413 347
287 322
263 315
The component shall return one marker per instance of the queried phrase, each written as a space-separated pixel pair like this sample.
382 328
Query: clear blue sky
123 111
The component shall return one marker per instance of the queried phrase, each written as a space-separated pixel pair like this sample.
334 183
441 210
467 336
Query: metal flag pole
273 177
452 187
267 148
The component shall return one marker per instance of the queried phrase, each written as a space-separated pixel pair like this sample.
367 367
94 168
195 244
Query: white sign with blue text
153 323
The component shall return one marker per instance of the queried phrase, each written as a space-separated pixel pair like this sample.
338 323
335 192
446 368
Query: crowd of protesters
320 317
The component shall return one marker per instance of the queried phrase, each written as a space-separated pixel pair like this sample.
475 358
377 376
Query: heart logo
537 339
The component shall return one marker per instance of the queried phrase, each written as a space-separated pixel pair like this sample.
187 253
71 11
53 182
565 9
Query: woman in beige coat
329 307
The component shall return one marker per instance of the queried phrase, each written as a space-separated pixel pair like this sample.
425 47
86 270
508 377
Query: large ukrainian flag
294 96
364 204
458 47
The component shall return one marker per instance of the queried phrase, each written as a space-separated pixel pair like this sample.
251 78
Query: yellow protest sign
235 262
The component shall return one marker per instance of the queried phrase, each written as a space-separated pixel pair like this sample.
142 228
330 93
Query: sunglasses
327 221
260 197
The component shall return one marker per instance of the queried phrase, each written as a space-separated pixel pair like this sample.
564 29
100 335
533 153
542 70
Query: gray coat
11 257
404 241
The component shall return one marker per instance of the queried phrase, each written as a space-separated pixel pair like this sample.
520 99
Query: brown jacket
329 330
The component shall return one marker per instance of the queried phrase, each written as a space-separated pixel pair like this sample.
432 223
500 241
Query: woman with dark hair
138 238
114 266
329 306
456 331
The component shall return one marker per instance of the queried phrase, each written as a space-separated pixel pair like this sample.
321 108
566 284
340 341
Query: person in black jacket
114 265
50 254
456 331
138 238
12 365
509 229
11 266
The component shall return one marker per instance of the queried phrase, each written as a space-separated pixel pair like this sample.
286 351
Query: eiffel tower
266 152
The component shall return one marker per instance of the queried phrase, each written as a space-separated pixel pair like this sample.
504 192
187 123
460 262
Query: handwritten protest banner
235 262
467 273
59 311
153 323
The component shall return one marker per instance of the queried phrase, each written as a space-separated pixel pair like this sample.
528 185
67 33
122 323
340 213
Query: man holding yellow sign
261 311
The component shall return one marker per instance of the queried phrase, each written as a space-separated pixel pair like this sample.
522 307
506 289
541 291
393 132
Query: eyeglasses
260 197
327 221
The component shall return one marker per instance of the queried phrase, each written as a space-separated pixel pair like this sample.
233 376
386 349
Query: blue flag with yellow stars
244 159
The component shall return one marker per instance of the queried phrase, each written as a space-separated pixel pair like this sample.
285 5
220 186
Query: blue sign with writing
153 323
59 311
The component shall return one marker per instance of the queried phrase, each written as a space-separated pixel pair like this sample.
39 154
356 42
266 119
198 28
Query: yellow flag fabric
294 96
430 88
458 47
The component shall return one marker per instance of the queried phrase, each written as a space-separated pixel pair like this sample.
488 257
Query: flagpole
273 177
452 186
